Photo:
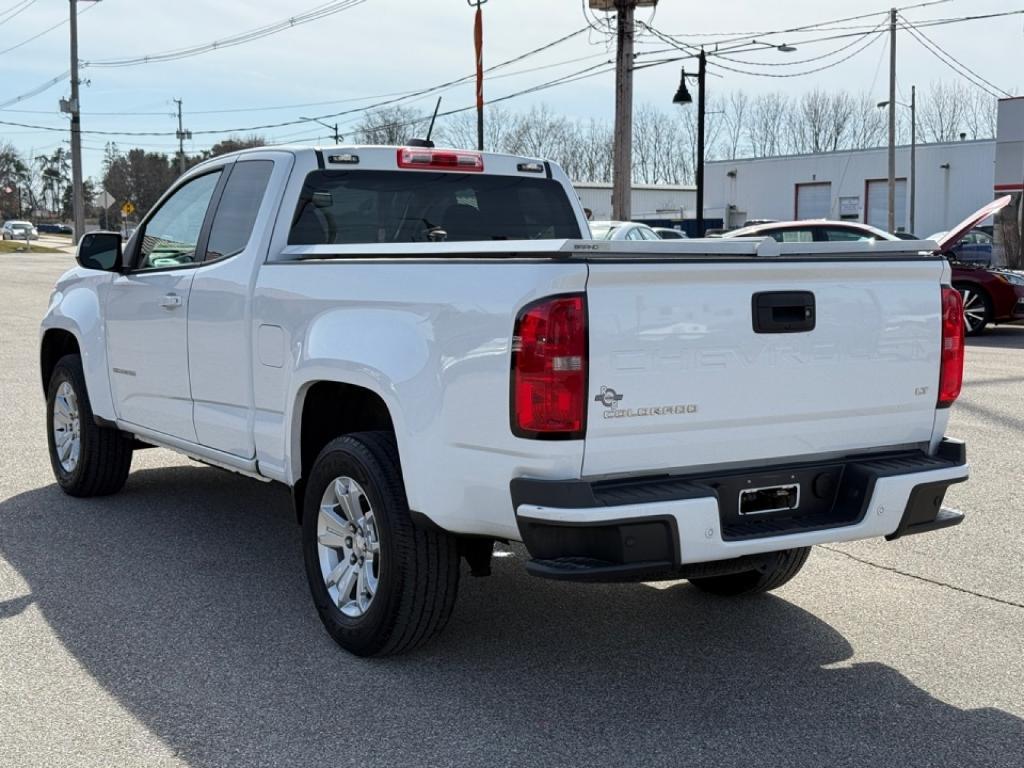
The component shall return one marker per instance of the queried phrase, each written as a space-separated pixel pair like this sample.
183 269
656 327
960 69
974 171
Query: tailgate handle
783 311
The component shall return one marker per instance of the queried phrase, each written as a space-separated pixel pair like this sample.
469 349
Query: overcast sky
388 46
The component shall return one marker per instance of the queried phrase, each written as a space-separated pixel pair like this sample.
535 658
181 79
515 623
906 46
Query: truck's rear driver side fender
356 367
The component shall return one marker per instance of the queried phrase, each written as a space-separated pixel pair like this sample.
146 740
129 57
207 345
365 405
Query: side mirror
100 250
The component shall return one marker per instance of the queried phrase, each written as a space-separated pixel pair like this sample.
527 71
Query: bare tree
766 125
459 130
941 116
868 123
981 114
820 122
734 124
594 153
390 125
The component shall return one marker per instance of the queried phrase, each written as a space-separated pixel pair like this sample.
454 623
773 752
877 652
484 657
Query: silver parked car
621 230
19 230
668 233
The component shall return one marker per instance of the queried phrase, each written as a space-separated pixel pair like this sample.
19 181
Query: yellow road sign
128 209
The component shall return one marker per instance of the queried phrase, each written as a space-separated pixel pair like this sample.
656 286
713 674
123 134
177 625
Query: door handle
170 301
783 311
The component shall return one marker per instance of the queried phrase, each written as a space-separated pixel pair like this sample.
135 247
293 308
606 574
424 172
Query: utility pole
77 193
622 160
892 120
182 134
478 41
332 128
913 158
702 73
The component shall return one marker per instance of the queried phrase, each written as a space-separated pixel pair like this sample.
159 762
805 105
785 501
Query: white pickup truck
426 346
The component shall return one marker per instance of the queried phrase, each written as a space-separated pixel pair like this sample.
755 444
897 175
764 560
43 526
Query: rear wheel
87 459
977 308
774 574
381 584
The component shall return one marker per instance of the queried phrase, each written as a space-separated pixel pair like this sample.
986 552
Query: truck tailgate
680 378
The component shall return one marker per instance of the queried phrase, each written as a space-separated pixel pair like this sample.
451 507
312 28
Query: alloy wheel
348 546
974 309
67 427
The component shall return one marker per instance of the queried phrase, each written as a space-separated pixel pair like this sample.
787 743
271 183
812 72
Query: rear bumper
636 528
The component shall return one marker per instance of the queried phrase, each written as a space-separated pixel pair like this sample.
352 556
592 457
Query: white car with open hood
427 347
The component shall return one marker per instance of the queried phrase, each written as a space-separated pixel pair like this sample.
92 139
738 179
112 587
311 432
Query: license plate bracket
769 499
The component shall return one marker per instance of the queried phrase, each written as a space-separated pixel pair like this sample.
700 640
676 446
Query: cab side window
170 237
236 212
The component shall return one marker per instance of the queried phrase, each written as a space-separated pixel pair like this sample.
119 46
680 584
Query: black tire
105 455
786 565
977 308
418 577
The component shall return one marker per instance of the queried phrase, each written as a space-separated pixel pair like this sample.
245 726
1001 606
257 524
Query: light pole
912 106
683 97
332 128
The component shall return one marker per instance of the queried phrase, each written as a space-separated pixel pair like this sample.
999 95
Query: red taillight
443 159
951 372
549 370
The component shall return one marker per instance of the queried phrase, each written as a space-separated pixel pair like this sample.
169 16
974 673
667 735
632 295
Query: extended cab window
237 209
339 207
169 239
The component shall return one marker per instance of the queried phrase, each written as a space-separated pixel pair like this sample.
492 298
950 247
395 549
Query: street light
912 106
332 128
683 97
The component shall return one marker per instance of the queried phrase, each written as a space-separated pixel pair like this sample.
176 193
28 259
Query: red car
990 295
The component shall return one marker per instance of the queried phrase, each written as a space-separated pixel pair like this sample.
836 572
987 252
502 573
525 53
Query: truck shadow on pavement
184 597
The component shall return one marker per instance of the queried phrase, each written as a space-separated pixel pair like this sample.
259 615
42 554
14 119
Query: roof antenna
427 142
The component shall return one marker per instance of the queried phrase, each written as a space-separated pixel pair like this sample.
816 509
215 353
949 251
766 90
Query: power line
391 98
418 96
734 37
36 36
313 14
582 74
867 38
906 24
798 62
8 10
37 90
28 4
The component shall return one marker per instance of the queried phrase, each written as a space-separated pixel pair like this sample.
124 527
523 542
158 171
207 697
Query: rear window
346 207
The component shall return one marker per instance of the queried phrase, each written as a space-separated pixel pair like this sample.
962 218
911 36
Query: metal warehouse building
649 201
953 180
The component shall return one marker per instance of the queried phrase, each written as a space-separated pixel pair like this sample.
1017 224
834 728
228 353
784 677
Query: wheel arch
55 344
326 408
74 324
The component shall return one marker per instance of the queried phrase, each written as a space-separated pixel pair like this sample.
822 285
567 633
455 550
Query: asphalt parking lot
170 625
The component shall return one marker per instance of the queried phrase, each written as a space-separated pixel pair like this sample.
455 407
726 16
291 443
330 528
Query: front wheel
774 574
977 308
381 584
87 459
